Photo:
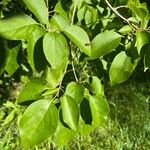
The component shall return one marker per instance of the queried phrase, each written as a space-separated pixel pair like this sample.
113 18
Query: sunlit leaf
55 49
142 38
63 135
121 68
104 43
39 9
76 91
70 111
17 27
32 90
38 123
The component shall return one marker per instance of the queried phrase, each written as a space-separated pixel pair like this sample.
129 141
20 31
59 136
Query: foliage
51 48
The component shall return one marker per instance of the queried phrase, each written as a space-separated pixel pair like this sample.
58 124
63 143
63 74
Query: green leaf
61 21
97 86
12 64
79 37
38 123
63 135
142 38
125 29
70 111
32 90
17 27
104 43
76 34
138 9
55 49
4 55
32 39
39 9
94 111
99 109
121 68
76 91
59 9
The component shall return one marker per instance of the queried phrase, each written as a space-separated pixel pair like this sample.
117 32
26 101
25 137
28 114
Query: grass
127 128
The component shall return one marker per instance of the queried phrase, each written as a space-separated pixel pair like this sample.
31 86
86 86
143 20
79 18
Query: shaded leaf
32 39
4 56
38 123
12 64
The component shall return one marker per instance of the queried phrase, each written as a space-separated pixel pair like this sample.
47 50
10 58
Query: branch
119 15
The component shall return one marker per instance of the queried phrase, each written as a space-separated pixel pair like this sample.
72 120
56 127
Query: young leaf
104 43
79 37
63 135
17 27
76 91
32 90
39 9
55 49
12 64
121 68
38 123
70 111
32 39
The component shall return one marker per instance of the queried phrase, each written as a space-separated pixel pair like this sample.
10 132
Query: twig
123 6
74 12
72 21
118 14
60 83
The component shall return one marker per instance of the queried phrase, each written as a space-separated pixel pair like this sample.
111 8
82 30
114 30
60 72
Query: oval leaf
17 27
79 37
32 90
38 123
99 109
55 49
70 111
104 43
97 86
39 9
121 68
76 91
142 38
